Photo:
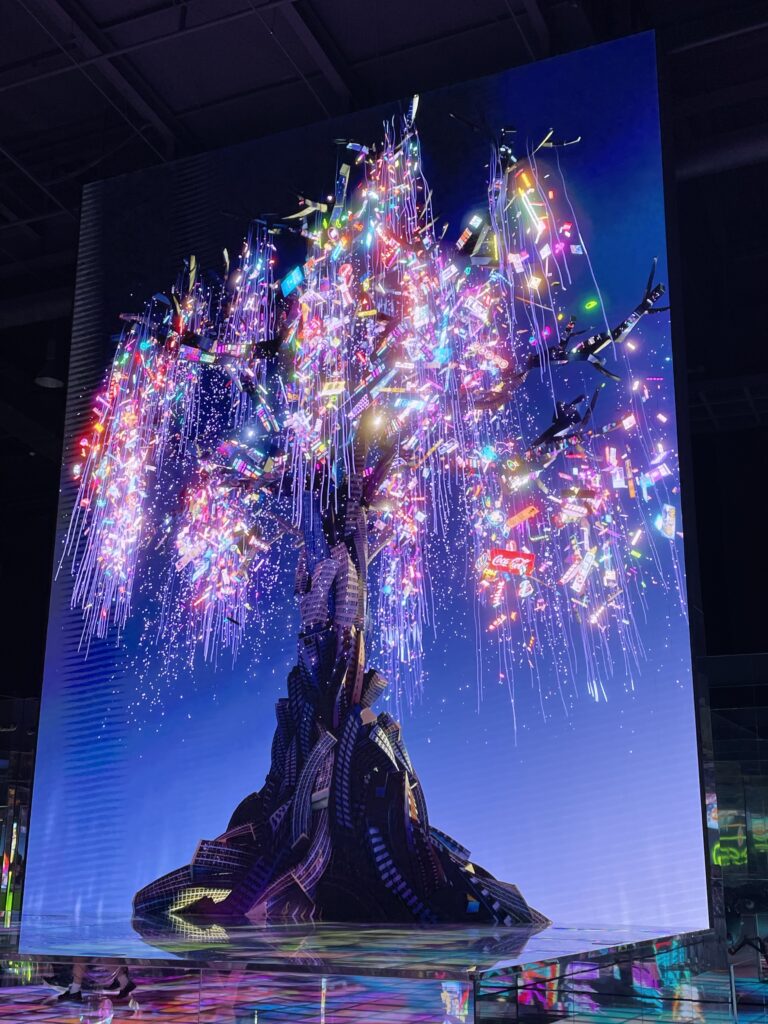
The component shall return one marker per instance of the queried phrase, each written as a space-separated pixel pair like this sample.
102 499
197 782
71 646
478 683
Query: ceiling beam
41 186
287 53
538 27
12 221
110 53
538 46
320 58
721 153
709 38
63 19
730 403
22 222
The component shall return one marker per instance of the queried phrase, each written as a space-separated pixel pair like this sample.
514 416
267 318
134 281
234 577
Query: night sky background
595 814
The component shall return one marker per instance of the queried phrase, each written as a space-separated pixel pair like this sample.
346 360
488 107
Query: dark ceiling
93 88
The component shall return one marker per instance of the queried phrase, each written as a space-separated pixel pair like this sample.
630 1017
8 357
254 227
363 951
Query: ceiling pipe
724 153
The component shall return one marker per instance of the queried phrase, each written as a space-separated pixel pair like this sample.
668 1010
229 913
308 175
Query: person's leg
125 984
55 975
78 973
75 990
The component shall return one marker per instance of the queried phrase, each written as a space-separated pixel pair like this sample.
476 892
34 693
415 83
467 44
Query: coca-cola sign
517 563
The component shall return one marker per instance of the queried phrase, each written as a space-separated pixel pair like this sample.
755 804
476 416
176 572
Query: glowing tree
379 391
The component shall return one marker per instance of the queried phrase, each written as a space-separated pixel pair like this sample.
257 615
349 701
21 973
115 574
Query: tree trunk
339 831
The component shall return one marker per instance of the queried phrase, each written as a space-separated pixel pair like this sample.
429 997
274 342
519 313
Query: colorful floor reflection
335 975
240 997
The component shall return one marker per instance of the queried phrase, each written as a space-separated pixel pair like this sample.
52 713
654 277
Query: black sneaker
126 990
71 997
113 986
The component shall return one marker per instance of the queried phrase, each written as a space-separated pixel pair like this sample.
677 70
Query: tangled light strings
218 552
147 389
455 371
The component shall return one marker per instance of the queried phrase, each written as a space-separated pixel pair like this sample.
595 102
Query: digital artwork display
370 599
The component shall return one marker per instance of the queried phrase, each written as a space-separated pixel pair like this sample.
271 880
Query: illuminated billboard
370 598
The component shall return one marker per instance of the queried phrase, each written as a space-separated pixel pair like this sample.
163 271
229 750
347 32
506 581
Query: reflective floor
237 997
416 951
342 975
611 994
589 993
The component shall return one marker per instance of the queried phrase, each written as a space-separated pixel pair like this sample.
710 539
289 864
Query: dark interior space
89 90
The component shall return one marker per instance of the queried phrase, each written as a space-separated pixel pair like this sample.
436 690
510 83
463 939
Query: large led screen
369 598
